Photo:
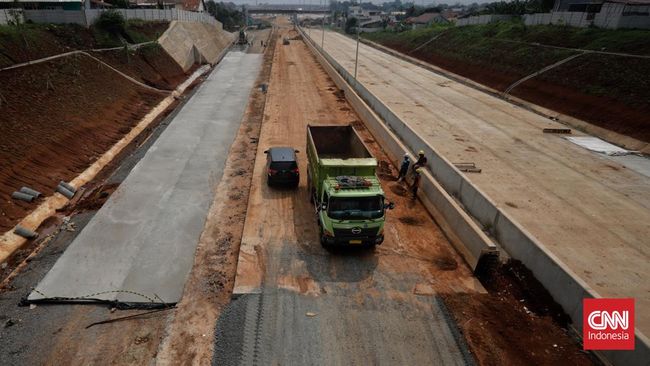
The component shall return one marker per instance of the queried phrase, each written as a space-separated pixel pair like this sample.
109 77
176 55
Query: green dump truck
344 187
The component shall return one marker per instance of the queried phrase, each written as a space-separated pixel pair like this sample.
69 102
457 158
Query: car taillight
272 171
296 171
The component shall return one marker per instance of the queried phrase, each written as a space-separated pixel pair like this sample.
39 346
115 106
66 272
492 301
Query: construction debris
557 130
467 167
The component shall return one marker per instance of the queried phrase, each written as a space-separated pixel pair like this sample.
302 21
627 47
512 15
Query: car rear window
284 165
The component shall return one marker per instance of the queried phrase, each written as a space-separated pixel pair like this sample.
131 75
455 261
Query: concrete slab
139 248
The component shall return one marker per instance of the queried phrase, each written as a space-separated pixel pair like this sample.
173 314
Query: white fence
611 16
89 16
482 19
572 18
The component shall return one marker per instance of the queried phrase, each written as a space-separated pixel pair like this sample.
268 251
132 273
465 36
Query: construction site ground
591 211
410 301
56 334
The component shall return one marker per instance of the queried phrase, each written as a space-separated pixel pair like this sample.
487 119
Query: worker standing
416 183
421 162
404 168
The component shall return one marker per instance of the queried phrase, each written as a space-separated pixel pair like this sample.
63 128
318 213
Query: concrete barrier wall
193 42
464 233
460 223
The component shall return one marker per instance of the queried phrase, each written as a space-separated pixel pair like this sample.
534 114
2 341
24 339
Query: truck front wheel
321 235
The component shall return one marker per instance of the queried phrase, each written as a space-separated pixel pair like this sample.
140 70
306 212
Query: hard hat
421 152
418 170
406 156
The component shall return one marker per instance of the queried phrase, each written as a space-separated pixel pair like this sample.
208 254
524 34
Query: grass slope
596 88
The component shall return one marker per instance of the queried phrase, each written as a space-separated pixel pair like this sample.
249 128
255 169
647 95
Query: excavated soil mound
56 119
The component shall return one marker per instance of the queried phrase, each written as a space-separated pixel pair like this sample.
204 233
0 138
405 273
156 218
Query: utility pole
322 42
356 60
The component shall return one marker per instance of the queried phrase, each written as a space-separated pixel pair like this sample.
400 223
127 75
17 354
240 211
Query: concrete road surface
299 304
140 246
590 211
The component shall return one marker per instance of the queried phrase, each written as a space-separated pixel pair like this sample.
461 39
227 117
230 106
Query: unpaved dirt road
297 303
590 211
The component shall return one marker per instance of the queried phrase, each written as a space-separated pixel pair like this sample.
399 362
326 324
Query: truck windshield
356 208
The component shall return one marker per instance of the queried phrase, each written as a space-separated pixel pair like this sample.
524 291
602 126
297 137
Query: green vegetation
350 25
112 30
231 18
31 41
620 40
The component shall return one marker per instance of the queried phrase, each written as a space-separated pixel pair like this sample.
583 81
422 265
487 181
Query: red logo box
608 324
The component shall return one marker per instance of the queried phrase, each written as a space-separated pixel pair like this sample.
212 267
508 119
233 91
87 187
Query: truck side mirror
266 151
296 151
391 205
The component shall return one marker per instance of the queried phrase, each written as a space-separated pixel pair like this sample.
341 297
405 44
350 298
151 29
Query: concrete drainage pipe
68 186
64 191
30 192
25 233
22 196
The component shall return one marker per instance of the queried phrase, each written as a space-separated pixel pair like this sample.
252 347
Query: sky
317 2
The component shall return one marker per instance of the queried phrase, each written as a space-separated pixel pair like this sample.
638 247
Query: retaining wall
192 42
438 195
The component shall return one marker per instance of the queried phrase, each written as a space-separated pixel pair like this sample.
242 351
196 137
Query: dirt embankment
517 322
608 91
58 117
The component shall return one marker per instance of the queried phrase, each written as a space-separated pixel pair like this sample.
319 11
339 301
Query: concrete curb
562 283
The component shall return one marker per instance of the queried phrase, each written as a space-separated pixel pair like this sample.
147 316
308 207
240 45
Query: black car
282 166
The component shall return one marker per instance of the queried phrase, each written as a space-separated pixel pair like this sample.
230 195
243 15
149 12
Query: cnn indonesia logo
608 324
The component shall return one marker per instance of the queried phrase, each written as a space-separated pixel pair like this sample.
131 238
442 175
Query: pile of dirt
612 92
517 322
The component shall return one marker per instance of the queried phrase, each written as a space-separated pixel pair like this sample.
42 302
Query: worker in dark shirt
421 162
404 168
416 183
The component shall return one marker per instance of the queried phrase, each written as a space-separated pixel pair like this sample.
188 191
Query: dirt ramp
189 43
